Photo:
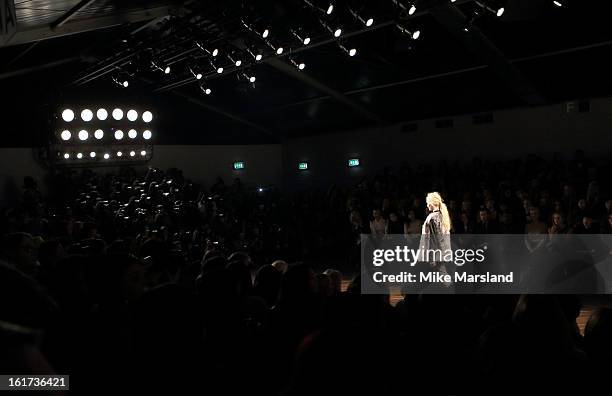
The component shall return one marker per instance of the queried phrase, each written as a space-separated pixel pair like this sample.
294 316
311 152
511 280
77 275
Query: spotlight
126 83
117 114
257 56
167 70
279 50
122 82
80 155
66 135
250 79
86 115
330 9
98 134
558 3
119 153
68 115
212 53
219 70
66 155
368 22
83 135
412 9
337 32
265 33
412 34
299 66
118 134
146 134
132 115
196 74
351 52
238 63
204 89
147 116
92 154
497 12
106 155
102 114
132 153
132 134
327 11
143 153
304 40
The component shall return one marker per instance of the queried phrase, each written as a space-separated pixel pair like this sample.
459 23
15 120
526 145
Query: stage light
132 115
279 50
251 79
204 89
122 82
330 9
299 66
215 52
265 33
369 22
102 114
119 153
106 155
558 3
212 53
66 135
80 155
147 116
118 134
258 57
126 83
132 153
351 52
167 70
66 156
412 9
132 134
196 74
117 114
500 11
303 166
147 134
337 32
68 115
83 135
497 12
92 154
412 34
143 153
238 165
302 39
98 134
219 70
238 63
86 115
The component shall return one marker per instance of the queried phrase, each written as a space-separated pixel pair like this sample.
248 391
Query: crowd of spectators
150 280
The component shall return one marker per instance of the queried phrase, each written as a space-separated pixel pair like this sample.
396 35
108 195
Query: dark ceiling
535 53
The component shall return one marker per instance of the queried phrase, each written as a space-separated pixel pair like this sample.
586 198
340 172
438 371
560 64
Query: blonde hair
436 200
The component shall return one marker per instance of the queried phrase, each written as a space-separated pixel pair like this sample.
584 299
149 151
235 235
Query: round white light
307 41
412 10
219 70
147 116
338 32
238 63
126 83
66 156
252 79
501 11
279 50
198 76
167 70
80 155
83 135
65 135
86 115
207 91
301 66
117 114
132 115
215 52
132 153
98 134
258 57
92 154
106 156
68 115
147 134
102 114
143 153
352 52
132 134
330 9
370 22
416 34
119 153
118 134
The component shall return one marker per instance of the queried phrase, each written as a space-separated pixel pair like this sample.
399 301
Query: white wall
514 133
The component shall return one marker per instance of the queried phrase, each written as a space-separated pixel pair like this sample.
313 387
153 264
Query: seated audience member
413 225
586 227
394 224
485 224
558 225
378 224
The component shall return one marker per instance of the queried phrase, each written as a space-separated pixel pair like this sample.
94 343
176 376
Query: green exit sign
303 165
238 165
353 162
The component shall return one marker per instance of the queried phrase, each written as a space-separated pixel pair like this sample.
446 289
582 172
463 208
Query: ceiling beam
225 113
70 13
70 27
479 45
319 86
